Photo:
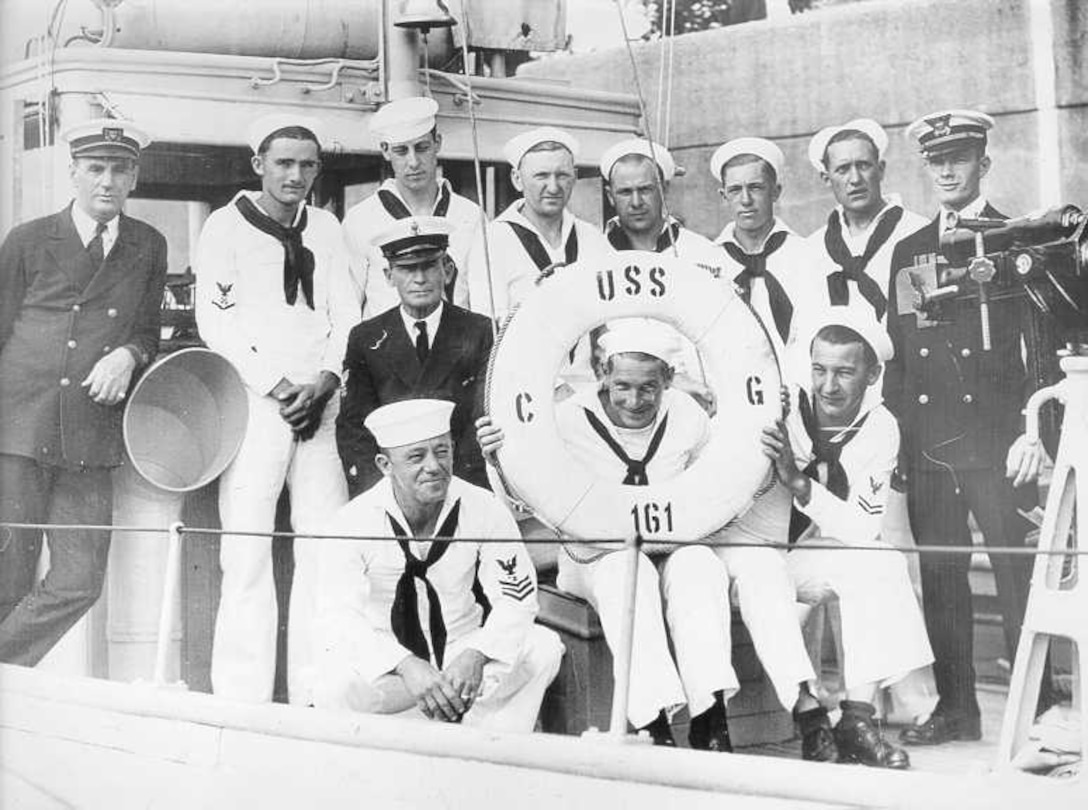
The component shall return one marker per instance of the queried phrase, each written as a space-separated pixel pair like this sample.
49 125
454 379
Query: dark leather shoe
859 741
659 730
817 739
941 728
709 731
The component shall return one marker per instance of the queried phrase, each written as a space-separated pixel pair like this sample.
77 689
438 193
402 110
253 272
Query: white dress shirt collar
431 320
86 226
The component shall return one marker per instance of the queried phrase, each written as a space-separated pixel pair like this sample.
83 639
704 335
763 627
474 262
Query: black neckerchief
298 260
636 469
853 267
396 208
826 452
405 613
619 239
755 266
536 250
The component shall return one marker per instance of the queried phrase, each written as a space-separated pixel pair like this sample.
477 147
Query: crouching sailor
401 626
836 452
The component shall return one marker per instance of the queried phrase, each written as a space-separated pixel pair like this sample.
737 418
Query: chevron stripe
518 589
870 508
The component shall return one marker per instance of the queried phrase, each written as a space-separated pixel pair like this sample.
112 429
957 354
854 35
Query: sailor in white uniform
410 142
769 264
636 429
273 297
836 451
637 176
537 233
854 249
401 627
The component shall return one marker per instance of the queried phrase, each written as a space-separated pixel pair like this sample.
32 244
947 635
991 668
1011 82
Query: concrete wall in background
892 61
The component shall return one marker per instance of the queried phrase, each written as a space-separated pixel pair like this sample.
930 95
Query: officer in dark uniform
80 293
958 405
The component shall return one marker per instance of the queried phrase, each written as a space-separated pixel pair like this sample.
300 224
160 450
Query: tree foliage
701 15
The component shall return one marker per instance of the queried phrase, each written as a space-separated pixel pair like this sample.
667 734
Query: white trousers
510 695
694 587
882 633
762 589
244 650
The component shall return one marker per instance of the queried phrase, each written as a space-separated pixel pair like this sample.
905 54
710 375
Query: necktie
405 614
853 267
636 468
95 248
423 348
298 260
755 266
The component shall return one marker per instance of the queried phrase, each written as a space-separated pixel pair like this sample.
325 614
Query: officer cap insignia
940 125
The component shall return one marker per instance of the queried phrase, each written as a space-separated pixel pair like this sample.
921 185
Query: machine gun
1041 257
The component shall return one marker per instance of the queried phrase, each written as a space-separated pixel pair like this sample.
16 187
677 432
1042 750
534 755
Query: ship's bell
423 15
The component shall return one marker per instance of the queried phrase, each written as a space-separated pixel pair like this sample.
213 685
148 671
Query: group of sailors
364 345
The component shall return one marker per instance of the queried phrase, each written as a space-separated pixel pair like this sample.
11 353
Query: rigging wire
471 102
647 124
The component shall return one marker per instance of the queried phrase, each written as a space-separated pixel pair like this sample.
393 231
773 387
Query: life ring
740 361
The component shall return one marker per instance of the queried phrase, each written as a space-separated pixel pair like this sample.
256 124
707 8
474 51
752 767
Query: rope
618 542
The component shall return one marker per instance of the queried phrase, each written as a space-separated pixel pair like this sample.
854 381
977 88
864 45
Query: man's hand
489 437
466 673
434 694
776 447
1024 460
108 381
301 406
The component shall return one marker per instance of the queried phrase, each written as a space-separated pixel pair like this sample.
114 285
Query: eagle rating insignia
222 300
511 584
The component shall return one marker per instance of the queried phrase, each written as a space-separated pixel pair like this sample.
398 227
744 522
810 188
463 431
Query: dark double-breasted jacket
53 329
957 403
380 366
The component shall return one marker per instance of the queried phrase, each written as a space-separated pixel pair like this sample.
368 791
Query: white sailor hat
858 318
266 125
817 147
414 239
106 137
641 335
409 421
638 146
760 147
949 129
404 119
516 147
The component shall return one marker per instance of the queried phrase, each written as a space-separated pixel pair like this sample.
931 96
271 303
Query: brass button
105 349
965 352
923 352
45 451
75 307
923 399
71 344
65 382
111 312
968 398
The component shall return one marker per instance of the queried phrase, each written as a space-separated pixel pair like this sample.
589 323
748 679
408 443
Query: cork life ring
534 462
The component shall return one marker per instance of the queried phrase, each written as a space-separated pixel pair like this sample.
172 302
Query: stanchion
617 726
1058 603
169 599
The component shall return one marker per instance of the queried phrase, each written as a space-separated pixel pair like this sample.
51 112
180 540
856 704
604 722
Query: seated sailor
401 627
836 452
637 429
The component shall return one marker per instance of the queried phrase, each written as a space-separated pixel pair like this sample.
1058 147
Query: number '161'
648 518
